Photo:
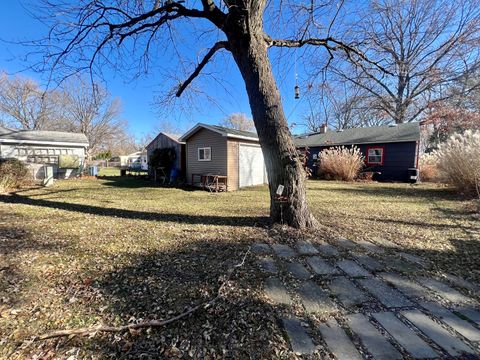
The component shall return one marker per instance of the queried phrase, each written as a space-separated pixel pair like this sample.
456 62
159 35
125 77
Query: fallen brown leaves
125 252
133 328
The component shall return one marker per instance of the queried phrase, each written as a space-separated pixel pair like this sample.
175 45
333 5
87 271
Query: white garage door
251 165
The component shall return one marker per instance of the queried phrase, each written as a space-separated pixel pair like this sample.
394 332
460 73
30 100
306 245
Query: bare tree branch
328 43
423 44
152 323
219 45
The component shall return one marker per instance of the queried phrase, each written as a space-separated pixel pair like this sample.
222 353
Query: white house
64 151
137 159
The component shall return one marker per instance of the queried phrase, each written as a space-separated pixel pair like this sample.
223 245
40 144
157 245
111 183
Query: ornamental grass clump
428 167
340 163
458 161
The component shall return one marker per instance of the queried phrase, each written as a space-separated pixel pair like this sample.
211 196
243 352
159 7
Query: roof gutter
357 143
241 137
37 142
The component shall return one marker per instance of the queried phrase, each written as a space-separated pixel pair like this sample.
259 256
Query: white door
251 165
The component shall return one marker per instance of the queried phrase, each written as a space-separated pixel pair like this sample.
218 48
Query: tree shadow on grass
241 325
393 192
423 224
129 182
458 214
138 215
164 283
161 285
17 245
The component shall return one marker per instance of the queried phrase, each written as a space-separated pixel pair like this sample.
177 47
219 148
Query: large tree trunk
281 157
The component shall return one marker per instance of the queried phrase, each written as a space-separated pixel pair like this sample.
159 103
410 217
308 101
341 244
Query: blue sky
138 95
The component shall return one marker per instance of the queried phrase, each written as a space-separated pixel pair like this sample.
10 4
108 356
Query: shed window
204 154
375 155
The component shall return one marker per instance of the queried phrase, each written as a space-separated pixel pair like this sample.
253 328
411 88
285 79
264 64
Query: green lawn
118 250
103 171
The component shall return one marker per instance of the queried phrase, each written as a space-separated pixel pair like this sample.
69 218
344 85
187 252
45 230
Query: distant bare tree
238 121
75 107
341 105
122 144
142 141
169 127
423 45
458 113
464 92
24 105
91 111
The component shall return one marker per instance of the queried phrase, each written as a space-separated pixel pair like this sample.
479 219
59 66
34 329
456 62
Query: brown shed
164 140
236 154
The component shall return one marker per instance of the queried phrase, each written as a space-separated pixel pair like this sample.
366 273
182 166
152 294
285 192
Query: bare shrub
340 163
13 174
428 167
459 161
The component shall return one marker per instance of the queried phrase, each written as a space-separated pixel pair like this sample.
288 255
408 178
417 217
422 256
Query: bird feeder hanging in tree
297 92
297 88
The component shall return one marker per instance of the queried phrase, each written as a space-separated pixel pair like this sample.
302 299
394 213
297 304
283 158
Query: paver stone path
369 305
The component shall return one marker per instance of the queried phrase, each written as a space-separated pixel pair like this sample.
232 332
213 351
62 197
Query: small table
216 183
212 182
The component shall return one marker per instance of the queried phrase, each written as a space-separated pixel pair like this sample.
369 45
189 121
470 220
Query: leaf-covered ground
121 250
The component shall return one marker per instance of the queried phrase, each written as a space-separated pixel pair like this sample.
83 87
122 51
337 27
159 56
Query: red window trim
375 148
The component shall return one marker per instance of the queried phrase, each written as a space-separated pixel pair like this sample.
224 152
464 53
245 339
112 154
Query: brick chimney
323 129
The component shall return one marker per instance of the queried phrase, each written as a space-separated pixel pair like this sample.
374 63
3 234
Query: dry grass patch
119 250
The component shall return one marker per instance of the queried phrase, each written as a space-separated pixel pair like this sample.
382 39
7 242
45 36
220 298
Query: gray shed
236 154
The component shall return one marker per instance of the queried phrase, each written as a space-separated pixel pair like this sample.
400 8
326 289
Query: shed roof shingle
173 137
367 135
42 136
221 130
230 131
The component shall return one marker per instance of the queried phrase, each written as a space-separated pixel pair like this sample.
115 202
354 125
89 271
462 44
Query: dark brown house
389 151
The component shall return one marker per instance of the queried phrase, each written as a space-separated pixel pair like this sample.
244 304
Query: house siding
232 164
398 157
50 152
218 144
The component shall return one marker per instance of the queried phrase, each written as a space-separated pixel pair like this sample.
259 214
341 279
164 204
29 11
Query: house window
205 154
375 155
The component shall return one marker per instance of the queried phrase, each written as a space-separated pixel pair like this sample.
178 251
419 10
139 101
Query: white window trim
204 148
375 156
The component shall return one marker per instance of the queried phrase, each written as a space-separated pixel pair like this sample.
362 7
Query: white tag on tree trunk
280 190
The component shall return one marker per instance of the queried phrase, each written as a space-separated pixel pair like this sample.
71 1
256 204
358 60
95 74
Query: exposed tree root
153 323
